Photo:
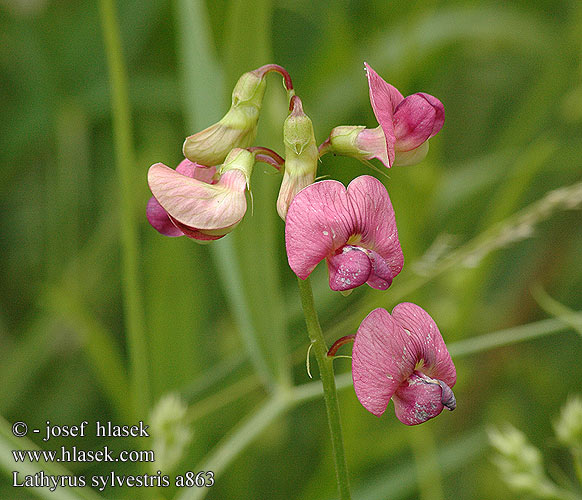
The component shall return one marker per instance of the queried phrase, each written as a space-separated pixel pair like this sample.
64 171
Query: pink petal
160 220
197 204
194 233
348 269
374 221
416 119
428 342
412 157
379 360
196 171
418 400
384 99
373 141
380 275
318 222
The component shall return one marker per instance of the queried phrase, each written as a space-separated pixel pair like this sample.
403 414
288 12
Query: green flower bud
237 129
301 156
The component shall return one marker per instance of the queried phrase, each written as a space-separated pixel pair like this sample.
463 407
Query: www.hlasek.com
74 454
42 479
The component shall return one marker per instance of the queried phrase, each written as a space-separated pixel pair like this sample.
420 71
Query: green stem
133 307
325 364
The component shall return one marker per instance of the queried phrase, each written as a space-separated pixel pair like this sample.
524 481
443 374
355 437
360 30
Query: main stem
325 364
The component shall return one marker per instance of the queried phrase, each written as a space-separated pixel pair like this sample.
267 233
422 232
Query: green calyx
239 159
300 147
344 141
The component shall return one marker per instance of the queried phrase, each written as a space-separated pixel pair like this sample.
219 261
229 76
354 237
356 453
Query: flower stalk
268 68
326 374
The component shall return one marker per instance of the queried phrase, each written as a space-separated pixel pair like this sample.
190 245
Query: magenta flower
403 357
354 230
196 201
406 124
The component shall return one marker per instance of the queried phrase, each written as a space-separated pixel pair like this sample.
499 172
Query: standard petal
384 99
416 119
418 400
160 220
318 223
374 221
381 360
197 204
348 269
426 342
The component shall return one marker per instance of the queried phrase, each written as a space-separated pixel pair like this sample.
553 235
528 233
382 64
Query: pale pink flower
353 229
198 202
158 217
403 357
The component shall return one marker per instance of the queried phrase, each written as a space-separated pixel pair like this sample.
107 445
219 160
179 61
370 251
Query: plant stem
325 364
133 307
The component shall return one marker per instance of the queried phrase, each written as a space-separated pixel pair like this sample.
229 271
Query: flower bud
237 129
300 156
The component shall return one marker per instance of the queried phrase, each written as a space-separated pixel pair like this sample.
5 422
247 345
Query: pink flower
354 230
190 201
407 123
403 357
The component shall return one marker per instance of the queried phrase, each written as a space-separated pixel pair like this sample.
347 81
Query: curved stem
263 70
339 342
329 390
268 156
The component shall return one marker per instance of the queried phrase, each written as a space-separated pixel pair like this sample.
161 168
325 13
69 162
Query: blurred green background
100 316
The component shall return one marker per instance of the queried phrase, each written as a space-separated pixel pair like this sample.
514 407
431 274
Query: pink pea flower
197 201
406 124
353 229
403 357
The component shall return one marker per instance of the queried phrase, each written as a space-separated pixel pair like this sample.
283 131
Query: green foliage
221 324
